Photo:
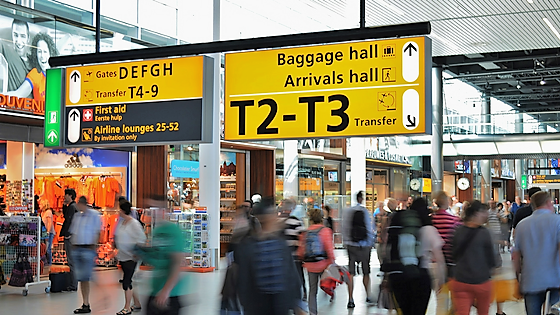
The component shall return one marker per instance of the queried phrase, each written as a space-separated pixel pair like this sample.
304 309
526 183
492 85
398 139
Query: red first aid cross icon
88 114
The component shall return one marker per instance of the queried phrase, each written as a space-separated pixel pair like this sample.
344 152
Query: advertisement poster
227 165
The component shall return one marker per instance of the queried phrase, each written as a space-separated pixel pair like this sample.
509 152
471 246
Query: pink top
327 240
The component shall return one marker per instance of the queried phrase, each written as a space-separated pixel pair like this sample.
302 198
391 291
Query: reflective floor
108 298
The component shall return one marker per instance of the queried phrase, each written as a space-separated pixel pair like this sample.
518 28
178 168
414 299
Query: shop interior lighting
552 28
190 148
390 7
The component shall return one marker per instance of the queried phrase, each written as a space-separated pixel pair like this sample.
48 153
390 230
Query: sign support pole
362 14
210 154
291 173
358 167
437 130
97 26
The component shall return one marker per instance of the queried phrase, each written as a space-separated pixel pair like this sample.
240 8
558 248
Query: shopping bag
385 299
18 278
506 290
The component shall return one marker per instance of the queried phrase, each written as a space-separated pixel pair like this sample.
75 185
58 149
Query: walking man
68 210
536 254
84 233
358 239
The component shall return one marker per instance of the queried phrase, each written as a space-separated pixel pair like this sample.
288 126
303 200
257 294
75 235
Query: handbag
22 272
385 300
506 290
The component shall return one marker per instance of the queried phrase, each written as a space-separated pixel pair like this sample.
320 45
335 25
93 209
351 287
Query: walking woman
316 250
129 233
474 256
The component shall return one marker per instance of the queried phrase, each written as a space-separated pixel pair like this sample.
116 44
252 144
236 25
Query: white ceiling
458 26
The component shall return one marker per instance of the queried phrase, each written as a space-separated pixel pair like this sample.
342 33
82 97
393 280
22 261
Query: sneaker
351 304
82 310
370 302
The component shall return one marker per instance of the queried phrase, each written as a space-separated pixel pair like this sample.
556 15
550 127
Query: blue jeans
84 259
49 249
535 301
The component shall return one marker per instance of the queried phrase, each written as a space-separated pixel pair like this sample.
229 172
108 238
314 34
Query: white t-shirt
430 240
126 237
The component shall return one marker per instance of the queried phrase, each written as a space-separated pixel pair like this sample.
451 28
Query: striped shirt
85 227
292 230
493 224
446 223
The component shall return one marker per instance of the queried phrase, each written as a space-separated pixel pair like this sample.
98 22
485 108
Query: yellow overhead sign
341 90
139 81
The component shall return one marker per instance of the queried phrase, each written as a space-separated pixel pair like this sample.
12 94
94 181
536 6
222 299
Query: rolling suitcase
59 281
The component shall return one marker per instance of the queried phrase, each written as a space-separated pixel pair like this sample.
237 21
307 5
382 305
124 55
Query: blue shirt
514 207
537 238
347 227
85 227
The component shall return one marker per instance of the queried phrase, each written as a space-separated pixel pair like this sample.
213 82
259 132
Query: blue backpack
314 248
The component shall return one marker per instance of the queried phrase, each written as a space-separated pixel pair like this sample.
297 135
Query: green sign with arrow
523 181
53 108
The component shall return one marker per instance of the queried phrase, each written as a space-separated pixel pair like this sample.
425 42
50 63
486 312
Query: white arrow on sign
75 86
410 61
411 109
74 125
52 136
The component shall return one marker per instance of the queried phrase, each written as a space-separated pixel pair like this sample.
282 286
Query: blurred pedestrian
268 282
48 220
525 211
536 252
128 235
293 227
84 234
328 218
413 243
445 223
165 254
473 252
69 208
316 249
358 238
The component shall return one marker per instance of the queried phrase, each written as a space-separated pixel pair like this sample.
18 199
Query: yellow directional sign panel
340 90
139 81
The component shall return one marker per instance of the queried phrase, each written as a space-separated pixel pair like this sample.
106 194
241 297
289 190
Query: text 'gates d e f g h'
342 90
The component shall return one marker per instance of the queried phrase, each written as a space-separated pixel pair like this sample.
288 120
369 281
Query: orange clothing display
105 190
58 221
49 191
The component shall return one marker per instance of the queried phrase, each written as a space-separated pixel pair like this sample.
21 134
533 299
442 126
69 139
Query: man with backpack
358 239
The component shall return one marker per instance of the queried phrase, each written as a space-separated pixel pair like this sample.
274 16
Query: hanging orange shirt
38 186
112 188
70 182
49 193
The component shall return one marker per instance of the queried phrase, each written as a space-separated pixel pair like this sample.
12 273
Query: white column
20 160
291 178
437 130
358 167
486 182
210 157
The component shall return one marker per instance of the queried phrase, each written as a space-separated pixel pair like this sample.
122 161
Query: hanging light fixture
518 85
542 82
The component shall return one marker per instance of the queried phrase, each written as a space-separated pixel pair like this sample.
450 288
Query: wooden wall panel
510 190
240 178
466 195
152 173
263 169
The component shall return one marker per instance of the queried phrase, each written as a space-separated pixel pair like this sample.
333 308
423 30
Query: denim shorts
84 262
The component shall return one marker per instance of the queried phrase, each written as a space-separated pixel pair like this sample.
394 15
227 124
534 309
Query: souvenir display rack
21 234
17 195
228 198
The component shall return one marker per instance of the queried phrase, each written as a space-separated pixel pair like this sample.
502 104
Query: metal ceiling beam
476 61
504 72
390 31
524 96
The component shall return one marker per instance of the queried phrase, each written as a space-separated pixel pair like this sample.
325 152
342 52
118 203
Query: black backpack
359 231
404 239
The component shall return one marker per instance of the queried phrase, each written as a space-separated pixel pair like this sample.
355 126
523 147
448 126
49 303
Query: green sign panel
53 108
523 181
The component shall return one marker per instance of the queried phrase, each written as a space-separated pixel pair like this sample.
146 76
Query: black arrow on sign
75 76
74 115
411 121
410 47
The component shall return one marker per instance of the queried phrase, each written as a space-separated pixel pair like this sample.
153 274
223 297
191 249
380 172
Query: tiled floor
108 298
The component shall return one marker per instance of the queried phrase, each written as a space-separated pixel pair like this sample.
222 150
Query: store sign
22 104
427 185
185 169
340 90
53 96
385 155
138 103
507 173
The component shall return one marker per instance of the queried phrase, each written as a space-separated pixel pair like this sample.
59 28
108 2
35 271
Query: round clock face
463 183
414 184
